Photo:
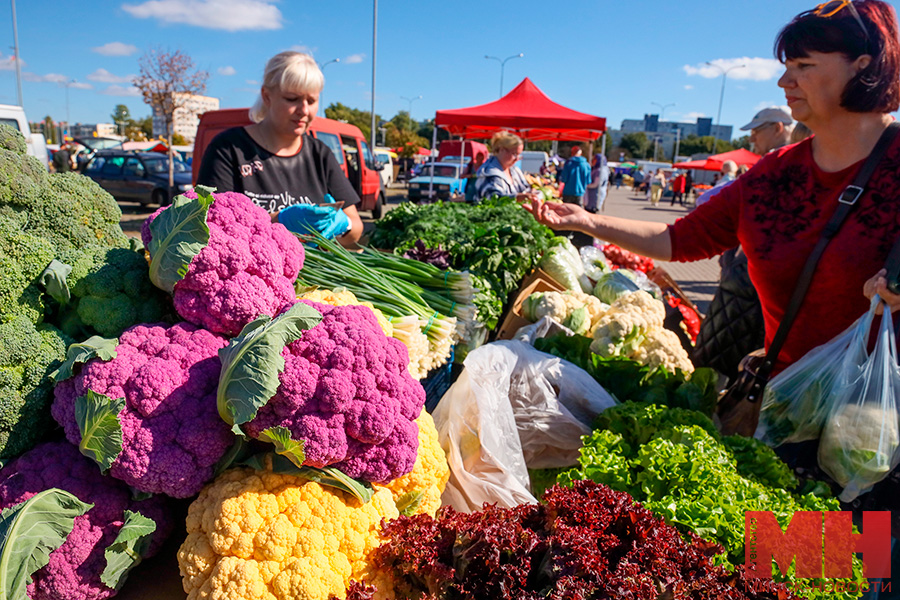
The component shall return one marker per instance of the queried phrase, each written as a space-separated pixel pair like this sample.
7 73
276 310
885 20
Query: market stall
248 410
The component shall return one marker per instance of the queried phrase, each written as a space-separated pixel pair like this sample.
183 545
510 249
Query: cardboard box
538 281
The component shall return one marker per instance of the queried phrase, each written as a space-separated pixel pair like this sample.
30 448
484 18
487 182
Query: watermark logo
822 543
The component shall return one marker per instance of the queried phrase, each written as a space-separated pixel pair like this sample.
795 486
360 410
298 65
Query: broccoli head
23 257
12 140
68 209
111 291
28 353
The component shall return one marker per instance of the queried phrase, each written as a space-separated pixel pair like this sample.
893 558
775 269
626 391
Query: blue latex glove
300 218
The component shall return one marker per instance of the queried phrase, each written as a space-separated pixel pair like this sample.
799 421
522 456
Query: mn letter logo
822 543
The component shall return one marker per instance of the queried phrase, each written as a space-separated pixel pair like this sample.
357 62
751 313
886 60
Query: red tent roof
741 156
525 110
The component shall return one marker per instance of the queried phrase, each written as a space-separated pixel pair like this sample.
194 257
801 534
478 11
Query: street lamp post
68 122
411 100
16 55
721 98
322 69
503 65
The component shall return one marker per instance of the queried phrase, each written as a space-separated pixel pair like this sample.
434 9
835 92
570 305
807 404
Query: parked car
533 160
345 141
137 176
446 182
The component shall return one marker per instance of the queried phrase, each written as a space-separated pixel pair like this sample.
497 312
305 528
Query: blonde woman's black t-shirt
233 162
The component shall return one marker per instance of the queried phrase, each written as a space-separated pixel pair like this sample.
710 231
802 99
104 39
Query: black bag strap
846 202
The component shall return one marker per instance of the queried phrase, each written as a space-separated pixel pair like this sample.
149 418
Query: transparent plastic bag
512 408
860 442
797 401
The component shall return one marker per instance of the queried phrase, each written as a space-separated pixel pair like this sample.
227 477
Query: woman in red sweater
842 79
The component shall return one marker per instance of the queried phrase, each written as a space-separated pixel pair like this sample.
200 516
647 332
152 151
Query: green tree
179 140
742 142
121 116
354 116
426 130
635 145
403 122
693 144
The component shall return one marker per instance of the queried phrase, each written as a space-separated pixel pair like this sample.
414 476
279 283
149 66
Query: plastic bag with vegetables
860 443
563 263
798 400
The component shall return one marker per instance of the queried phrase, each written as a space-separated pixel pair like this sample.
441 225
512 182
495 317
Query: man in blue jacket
576 176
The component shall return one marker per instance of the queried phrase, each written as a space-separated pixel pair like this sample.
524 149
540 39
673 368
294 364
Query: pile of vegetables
620 258
584 541
495 240
678 466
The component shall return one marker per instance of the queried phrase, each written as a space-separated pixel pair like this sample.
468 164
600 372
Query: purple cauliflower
346 392
172 435
247 269
75 568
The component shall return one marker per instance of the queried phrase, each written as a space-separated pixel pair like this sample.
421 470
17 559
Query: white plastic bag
860 442
797 401
513 408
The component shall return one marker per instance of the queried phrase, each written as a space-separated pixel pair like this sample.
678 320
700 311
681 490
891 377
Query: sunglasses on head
833 7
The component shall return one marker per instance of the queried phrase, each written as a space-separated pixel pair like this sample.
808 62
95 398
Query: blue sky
609 58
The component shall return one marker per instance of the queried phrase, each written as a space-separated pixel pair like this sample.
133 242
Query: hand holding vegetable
559 216
299 218
878 285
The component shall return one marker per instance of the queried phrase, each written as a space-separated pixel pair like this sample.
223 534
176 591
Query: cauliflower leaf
179 234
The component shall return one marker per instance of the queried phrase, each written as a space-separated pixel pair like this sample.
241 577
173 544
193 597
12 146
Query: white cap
773 114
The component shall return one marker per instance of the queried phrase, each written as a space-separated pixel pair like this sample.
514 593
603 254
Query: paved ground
698 280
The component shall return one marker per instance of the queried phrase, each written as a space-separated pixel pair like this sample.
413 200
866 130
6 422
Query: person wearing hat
770 129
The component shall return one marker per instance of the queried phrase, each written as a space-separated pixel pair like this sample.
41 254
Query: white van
14 116
385 156
533 160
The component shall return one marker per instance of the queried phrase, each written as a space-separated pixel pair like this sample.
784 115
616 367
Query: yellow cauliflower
344 297
576 310
423 485
256 535
633 328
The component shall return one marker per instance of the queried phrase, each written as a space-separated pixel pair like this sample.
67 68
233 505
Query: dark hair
877 87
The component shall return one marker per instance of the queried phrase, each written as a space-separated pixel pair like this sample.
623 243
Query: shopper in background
728 174
499 175
657 187
470 174
678 189
575 177
597 188
769 129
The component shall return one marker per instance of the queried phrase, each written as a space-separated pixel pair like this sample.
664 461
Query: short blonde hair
729 166
292 71
504 140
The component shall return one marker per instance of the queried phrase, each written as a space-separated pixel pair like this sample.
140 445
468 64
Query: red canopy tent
525 110
741 156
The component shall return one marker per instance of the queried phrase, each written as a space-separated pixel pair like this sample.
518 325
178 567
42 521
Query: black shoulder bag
739 405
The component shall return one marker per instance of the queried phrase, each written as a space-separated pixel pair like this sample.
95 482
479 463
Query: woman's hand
557 215
878 285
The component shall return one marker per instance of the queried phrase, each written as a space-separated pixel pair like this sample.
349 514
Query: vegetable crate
538 281
661 277
437 383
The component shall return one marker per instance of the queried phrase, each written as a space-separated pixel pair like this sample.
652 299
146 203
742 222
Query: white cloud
78 85
48 78
354 59
692 116
104 76
227 71
252 82
115 49
303 48
688 87
228 15
754 69
118 90
8 63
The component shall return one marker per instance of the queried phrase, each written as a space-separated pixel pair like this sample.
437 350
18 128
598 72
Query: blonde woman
657 185
499 175
277 164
